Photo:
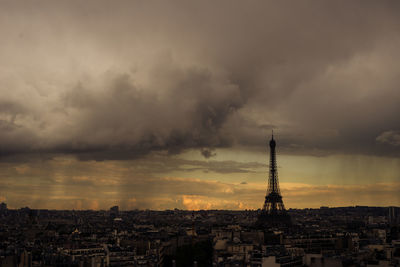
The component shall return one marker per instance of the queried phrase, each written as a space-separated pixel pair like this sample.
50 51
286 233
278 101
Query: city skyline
162 106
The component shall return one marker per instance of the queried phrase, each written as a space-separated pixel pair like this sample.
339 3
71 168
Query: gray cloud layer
106 80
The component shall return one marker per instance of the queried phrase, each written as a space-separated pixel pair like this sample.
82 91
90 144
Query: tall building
3 206
394 215
114 211
273 212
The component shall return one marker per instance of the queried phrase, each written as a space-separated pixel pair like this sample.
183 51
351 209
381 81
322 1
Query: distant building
3 206
394 215
114 211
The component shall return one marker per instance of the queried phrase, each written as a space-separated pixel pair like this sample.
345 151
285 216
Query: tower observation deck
273 212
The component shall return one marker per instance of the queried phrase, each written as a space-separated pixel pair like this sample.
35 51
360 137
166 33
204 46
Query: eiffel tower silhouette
273 212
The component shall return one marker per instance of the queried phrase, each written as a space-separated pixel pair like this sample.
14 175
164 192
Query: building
3 206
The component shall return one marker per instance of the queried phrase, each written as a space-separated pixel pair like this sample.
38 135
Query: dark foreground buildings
348 236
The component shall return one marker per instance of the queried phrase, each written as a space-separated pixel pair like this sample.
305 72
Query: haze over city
160 105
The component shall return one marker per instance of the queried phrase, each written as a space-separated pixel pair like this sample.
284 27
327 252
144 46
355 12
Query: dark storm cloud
207 153
389 137
128 120
160 165
145 77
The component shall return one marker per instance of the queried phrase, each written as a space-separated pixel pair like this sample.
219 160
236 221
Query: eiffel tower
273 212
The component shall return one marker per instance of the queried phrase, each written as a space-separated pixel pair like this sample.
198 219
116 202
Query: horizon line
197 210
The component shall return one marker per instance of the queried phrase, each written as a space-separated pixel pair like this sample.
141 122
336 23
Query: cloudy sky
160 105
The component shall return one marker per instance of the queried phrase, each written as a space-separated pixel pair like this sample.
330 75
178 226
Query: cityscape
271 236
199 133
347 236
